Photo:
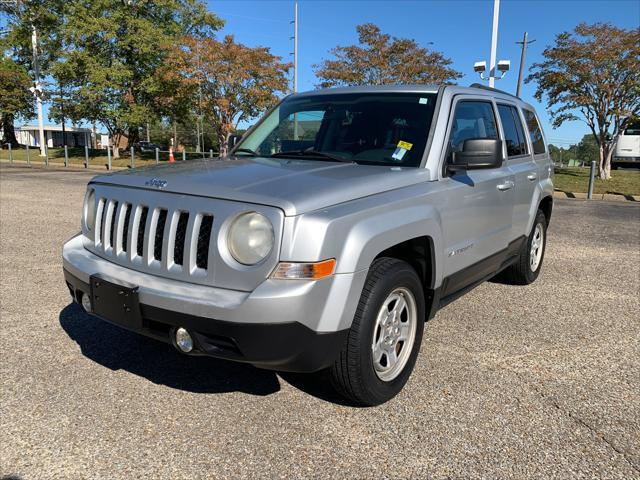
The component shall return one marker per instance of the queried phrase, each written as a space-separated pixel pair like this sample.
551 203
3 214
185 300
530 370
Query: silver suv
340 222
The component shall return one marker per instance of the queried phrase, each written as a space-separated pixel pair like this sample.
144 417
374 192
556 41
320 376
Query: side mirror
477 153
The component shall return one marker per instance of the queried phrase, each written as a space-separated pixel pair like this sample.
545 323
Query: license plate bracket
116 302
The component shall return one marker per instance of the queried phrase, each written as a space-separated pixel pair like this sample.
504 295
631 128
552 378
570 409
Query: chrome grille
178 236
159 237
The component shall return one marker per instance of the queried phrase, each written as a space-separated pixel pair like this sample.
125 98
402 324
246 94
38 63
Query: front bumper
626 161
284 325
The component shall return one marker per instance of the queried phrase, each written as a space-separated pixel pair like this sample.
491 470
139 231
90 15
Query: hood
295 186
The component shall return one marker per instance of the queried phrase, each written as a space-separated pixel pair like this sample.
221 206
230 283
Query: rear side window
535 132
513 133
472 119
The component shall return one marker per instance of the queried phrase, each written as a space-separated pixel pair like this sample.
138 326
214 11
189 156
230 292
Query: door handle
505 186
532 176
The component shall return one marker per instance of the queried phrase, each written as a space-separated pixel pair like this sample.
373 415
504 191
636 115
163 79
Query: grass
576 180
97 157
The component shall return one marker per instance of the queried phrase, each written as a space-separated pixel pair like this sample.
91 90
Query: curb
598 196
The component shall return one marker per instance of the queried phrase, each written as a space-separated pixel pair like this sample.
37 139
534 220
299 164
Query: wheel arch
419 252
546 205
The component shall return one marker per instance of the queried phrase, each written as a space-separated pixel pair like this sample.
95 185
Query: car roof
372 89
474 89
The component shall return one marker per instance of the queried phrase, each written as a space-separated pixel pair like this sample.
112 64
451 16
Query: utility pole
295 64
64 132
494 43
37 89
524 44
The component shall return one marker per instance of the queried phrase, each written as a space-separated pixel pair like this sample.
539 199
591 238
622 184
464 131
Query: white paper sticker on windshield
423 101
399 153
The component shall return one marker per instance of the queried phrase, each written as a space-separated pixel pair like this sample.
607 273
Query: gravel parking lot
512 382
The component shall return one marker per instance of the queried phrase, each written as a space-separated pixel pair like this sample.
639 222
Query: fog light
86 302
184 340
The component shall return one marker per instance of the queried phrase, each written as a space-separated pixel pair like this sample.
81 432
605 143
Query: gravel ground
512 382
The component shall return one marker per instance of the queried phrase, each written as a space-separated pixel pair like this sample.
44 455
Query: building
76 137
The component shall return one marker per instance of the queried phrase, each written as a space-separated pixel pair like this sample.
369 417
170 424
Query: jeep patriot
340 223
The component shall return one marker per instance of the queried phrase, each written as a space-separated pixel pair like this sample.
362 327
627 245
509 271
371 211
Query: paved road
512 382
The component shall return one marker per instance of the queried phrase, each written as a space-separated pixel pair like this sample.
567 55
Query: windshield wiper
245 150
312 153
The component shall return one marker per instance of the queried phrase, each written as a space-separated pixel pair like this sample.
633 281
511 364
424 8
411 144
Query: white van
627 153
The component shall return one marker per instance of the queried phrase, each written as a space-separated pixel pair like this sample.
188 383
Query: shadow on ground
119 349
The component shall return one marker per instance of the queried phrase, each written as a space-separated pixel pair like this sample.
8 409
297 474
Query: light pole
37 89
503 65
295 47
295 64
494 42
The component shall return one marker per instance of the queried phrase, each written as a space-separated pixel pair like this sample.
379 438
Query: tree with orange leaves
228 82
592 74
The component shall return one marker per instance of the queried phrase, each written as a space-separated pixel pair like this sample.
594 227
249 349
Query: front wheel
382 346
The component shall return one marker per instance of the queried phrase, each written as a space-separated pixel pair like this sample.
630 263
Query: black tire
353 374
521 273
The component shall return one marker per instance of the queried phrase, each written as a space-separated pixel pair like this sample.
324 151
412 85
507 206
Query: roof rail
491 89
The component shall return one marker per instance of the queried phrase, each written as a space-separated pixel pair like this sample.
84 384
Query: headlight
89 209
250 238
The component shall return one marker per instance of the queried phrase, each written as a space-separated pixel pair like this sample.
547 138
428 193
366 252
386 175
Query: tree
592 74
17 67
228 81
381 59
587 150
16 99
112 51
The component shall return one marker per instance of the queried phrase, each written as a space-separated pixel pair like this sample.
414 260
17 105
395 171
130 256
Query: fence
97 158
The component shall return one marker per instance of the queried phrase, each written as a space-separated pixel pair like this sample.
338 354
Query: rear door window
513 133
472 119
535 132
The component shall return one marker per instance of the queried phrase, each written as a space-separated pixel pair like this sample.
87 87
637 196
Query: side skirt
459 283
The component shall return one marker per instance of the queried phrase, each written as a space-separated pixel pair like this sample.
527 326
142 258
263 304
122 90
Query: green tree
24 18
112 51
587 150
381 59
592 74
228 81
16 100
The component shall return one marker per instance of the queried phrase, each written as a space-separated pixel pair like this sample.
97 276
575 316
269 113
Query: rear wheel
527 268
383 343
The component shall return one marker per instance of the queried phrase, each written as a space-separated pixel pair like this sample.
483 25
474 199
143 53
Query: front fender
355 233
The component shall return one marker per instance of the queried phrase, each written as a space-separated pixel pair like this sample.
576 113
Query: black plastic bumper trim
291 347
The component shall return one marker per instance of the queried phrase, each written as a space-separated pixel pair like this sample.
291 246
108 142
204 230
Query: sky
461 29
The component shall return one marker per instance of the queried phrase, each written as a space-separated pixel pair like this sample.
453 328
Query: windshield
365 128
633 129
